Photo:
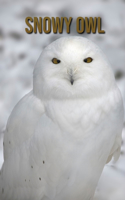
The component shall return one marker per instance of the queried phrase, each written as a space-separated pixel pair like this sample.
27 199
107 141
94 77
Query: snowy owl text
56 25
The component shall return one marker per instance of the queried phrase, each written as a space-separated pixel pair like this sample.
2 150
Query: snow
19 52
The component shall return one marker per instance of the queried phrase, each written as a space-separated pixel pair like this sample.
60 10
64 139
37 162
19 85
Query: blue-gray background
19 52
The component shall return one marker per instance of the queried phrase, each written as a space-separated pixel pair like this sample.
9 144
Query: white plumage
60 135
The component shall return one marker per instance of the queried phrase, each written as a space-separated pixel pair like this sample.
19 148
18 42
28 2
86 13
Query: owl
62 133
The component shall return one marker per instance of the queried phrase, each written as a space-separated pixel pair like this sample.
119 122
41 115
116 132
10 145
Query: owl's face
72 67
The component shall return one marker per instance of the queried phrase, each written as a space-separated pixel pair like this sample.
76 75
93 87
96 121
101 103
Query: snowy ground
19 52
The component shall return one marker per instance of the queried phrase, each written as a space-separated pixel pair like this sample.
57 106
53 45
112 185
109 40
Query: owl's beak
71 76
71 80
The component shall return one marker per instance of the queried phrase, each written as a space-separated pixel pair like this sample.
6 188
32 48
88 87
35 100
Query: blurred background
19 52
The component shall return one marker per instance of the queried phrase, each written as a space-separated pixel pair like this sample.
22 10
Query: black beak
71 80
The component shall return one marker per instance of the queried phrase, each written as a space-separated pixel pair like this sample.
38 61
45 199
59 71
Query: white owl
60 135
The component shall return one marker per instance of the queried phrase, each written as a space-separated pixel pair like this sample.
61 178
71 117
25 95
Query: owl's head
72 67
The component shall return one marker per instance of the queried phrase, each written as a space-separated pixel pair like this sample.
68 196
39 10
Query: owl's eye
88 60
56 61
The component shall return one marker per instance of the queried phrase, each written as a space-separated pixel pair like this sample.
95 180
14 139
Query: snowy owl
60 135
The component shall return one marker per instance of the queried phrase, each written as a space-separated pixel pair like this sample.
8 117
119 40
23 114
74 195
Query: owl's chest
76 115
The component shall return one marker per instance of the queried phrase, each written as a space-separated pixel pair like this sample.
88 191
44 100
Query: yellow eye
56 61
88 60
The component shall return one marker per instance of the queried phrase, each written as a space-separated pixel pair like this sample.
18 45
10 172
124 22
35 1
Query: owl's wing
115 151
22 122
20 176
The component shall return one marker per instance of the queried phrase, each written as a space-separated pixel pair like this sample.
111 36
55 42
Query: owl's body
60 135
